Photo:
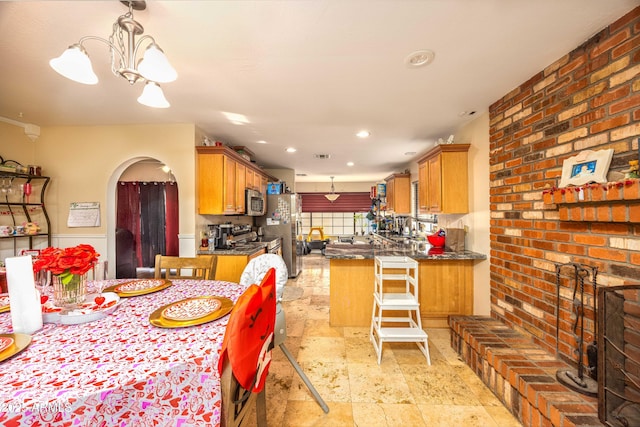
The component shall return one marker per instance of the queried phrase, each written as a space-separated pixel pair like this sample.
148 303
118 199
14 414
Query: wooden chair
237 402
202 267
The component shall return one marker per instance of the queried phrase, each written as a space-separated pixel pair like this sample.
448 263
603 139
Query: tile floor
341 364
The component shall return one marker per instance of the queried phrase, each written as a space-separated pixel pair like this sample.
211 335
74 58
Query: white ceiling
306 74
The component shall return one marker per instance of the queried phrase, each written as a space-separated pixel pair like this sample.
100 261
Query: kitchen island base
446 288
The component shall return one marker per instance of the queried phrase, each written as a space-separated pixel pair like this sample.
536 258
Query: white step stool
396 288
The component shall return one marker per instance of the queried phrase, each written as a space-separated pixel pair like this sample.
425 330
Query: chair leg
304 378
261 408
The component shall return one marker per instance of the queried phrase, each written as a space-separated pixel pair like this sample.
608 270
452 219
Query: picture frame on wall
586 166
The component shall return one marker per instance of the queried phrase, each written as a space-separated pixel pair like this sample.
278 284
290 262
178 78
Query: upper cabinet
222 178
399 193
443 185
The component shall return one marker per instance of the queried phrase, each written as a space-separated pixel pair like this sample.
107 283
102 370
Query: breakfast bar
445 280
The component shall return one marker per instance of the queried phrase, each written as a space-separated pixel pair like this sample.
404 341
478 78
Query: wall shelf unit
17 208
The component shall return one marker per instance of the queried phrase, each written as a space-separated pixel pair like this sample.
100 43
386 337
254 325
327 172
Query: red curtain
173 220
128 213
347 202
159 210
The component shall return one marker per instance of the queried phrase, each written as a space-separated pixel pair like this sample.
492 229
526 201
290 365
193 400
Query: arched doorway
143 196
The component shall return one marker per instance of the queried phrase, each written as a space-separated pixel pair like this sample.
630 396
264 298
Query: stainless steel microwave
255 203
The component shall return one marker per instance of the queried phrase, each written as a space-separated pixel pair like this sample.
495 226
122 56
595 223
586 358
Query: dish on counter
4 303
19 343
139 287
96 307
191 312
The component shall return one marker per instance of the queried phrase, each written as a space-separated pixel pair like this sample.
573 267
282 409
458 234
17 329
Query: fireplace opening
619 355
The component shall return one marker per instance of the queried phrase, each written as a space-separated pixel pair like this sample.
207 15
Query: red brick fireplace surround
587 100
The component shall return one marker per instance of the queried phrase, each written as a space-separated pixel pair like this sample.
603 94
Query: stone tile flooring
341 364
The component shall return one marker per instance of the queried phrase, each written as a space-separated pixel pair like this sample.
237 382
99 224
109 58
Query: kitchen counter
445 279
248 248
387 247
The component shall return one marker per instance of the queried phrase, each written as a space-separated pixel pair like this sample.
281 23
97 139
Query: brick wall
588 99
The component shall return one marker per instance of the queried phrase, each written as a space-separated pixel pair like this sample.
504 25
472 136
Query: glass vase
69 295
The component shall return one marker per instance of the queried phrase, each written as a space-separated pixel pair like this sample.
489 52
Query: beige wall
475 133
85 162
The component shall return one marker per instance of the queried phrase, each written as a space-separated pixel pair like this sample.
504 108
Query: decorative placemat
188 312
139 287
20 342
192 308
5 343
4 303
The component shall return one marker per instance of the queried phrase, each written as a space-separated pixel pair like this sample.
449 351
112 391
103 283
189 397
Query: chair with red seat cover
254 272
246 353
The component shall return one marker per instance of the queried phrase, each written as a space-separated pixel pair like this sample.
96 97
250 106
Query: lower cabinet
446 288
230 267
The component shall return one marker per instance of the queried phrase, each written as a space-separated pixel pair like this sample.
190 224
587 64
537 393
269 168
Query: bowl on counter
436 241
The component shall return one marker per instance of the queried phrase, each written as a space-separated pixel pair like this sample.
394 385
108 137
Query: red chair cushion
248 339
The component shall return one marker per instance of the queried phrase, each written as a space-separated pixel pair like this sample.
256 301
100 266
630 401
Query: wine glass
26 190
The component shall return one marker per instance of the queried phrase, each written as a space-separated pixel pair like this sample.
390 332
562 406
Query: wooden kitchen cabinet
446 289
443 181
221 181
398 193
230 267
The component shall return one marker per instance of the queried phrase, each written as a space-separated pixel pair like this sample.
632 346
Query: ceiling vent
322 156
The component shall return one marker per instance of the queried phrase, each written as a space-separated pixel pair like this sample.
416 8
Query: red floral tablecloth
120 370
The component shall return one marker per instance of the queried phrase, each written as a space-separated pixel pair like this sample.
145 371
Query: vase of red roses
68 267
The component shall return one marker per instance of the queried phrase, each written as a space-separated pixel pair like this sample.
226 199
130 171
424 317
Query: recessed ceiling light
363 134
349 163
409 153
301 174
262 141
419 58
290 150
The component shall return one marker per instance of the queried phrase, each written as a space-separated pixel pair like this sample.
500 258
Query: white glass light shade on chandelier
154 67
332 197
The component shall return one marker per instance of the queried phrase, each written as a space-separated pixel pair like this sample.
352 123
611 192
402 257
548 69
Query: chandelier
153 68
332 197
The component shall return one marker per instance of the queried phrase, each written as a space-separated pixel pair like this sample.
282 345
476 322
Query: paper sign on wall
84 214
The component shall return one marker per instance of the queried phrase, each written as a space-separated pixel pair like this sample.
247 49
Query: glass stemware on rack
6 188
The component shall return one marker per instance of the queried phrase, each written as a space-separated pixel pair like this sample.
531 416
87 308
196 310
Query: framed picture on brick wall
586 166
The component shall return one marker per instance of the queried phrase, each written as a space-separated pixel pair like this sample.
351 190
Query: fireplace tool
576 379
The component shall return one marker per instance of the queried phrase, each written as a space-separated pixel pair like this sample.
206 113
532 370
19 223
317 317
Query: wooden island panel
446 288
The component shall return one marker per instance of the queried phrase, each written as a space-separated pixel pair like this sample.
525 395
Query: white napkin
24 298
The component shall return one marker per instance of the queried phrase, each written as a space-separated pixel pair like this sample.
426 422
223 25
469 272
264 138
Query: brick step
521 374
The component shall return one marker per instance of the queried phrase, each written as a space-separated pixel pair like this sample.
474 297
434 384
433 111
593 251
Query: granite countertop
414 250
248 248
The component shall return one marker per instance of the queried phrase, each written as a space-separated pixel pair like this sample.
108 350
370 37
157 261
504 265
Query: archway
136 173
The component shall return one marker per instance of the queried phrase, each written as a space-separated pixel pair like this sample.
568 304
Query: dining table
120 370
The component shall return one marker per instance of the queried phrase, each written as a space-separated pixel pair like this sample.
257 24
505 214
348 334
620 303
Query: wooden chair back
237 402
202 267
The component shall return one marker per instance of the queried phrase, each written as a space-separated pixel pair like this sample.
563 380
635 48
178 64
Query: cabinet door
423 188
435 185
241 186
209 177
229 185
390 195
263 184
446 288
250 180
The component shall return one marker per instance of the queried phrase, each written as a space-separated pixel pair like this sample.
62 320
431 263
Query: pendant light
332 197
